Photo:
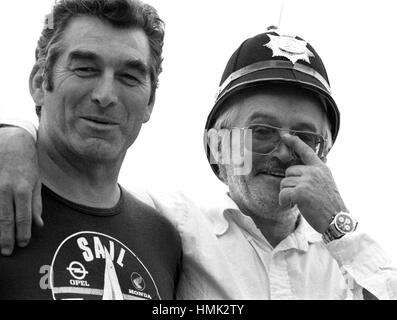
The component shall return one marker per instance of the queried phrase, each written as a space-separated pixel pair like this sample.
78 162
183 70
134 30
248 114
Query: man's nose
104 93
284 153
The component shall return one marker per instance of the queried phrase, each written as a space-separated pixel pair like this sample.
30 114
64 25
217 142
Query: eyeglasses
265 139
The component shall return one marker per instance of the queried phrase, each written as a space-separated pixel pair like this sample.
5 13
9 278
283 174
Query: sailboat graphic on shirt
92 265
111 288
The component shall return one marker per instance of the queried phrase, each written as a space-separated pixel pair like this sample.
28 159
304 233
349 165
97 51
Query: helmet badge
289 47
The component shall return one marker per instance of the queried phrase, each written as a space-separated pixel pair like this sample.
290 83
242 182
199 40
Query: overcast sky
357 43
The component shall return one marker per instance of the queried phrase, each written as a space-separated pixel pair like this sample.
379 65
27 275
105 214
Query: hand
20 188
310 186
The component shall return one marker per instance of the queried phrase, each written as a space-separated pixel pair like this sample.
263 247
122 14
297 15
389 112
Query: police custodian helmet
272 57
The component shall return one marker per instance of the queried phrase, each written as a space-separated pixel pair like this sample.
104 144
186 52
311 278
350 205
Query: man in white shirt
283 230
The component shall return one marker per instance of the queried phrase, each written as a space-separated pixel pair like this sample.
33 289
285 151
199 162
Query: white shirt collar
228 210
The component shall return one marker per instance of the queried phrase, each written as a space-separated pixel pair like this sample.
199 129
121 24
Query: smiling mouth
279 174
101 121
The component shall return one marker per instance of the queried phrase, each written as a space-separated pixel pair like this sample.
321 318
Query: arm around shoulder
24 124
20 188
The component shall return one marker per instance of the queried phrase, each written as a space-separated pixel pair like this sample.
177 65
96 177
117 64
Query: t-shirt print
91 265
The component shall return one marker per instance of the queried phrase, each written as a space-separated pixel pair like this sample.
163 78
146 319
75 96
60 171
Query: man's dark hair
121 14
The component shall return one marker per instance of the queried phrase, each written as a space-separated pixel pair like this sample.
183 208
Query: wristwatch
341 224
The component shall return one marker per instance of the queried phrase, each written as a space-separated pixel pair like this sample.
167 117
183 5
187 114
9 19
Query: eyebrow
83 55
304 126
138 65
262 117
135 64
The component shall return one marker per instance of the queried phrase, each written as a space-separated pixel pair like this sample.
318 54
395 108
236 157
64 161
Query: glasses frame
323 140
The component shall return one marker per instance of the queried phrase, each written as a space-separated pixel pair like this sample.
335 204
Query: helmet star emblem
289 47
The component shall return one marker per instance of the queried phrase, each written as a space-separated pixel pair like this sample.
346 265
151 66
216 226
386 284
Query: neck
276 230
275 224
79 180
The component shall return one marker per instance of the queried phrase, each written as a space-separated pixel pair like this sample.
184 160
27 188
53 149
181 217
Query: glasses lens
313 140
264 139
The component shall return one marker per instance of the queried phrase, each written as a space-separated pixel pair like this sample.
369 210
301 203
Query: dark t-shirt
127 252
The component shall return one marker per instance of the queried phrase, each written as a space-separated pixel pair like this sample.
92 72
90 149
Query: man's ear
36 80
148 110
324 157
222 174
224 156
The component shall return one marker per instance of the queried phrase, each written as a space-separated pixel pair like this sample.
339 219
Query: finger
23 216
37 207
286 197
290 182
7 227
305 153
295 171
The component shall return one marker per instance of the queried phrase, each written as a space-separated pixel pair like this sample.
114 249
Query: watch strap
333 233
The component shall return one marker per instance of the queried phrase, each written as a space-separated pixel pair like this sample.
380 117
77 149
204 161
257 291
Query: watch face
344 223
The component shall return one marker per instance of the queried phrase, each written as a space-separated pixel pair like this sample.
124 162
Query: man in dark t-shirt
94 84
126 252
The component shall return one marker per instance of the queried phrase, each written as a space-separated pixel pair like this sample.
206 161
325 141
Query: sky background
357 43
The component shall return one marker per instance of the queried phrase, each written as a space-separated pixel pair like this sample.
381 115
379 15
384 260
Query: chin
259 193
266 182
266 187
98 150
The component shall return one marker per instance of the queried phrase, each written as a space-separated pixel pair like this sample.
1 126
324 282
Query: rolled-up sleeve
365 265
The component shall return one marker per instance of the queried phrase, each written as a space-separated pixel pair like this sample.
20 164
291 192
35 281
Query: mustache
273 165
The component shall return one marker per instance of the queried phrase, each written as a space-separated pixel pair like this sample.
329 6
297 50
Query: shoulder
139 194
147 215
179 208
194 220
160 242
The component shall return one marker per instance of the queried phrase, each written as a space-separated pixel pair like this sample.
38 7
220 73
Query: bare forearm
20 197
